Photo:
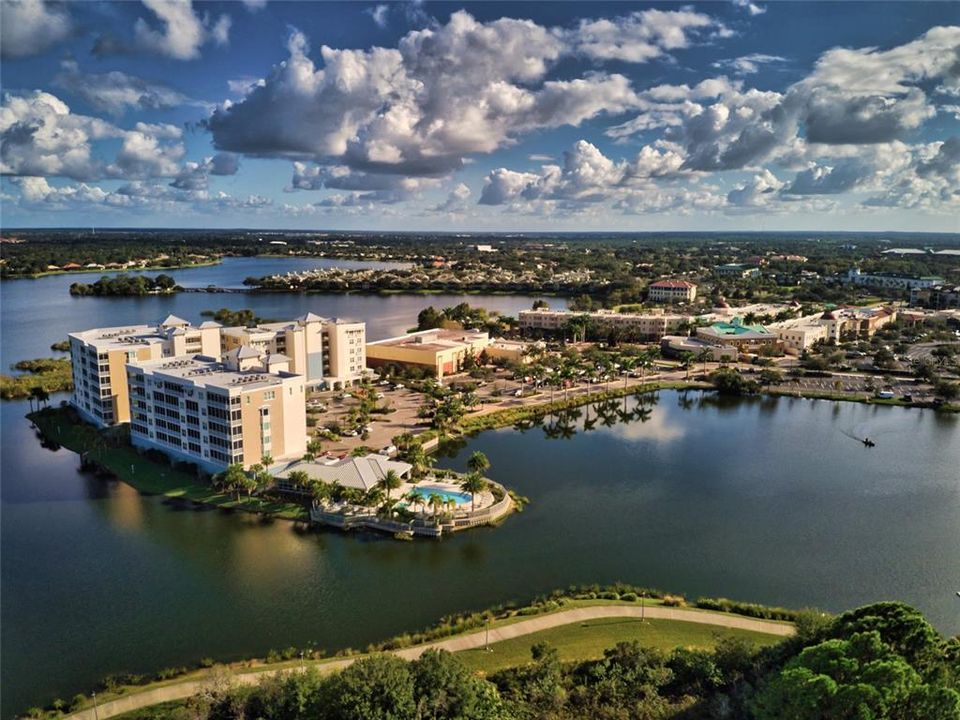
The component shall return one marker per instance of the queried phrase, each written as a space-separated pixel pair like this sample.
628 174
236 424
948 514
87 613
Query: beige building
856 322
745 338
200 410
99 358
443 351
676 345
510 351
325 351
648 326
672 291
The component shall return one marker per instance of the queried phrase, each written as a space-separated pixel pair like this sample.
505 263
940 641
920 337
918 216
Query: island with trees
126 286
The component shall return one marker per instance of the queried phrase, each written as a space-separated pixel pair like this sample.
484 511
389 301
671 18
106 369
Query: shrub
629 597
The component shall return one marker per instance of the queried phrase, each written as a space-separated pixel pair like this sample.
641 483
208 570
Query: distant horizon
484 233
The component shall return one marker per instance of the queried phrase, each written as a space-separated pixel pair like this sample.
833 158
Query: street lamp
301 661
96 714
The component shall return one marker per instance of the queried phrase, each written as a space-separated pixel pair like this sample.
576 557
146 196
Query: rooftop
436 340
362 473
204 371
682 284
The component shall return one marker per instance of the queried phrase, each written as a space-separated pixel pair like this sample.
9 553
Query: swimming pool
425 491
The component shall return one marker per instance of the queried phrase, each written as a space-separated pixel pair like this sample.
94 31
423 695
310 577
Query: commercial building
891 280
844 323
649 326
100 356
736 270
442 351
672 291
327 352
200 410
936 297
797 337
745 338
674 346
359 473
509 351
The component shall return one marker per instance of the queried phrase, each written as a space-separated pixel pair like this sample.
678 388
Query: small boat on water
868 442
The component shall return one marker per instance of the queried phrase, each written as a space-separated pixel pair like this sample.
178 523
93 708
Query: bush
629 597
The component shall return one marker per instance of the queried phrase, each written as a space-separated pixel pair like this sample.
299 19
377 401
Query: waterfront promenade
188 687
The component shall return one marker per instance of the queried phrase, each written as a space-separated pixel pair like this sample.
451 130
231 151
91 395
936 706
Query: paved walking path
186 688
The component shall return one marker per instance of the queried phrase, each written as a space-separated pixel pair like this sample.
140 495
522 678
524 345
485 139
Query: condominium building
99 358
327 352
442 351
201 410
649 326
672 291
891 280
854 322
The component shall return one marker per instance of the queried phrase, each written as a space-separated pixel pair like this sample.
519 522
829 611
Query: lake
36 313
768 500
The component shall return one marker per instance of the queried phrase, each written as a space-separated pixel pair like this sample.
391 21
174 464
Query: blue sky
481 116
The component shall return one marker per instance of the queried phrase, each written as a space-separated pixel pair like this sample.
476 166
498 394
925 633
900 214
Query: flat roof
204 371
362 473
433 340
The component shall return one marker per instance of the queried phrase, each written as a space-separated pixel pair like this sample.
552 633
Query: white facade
895 282
652 326
672 291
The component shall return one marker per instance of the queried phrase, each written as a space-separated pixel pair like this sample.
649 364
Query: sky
512 116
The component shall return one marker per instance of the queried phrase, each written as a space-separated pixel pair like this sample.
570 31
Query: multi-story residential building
672 291
442 351
891 280
201 410
649 326
99 358
327 352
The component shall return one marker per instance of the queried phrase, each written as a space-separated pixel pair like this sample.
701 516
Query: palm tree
686 359
473 484
267 460
478 463
435 501
319 491
626 365
299 479
703 356
413 499
390 481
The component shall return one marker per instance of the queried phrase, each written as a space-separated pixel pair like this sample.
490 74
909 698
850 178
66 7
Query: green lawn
585 641
146 475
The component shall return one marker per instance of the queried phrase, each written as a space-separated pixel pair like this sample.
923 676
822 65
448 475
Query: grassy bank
577 641
847 397
588 640
49 375
110 452
84 271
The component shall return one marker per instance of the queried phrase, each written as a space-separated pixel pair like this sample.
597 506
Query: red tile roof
672 284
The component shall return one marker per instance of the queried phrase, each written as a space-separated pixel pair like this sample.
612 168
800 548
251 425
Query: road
186 688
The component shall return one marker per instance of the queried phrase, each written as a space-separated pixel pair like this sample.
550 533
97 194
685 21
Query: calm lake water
770 500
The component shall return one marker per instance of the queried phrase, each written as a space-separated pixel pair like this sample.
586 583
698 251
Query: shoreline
104 271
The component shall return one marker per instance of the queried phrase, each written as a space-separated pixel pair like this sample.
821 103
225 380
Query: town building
745 338
674 346
672 291
510 351
856 322
327 352
736 270
359 473
936 297
99 358
649 326
890 280
442 351
200 410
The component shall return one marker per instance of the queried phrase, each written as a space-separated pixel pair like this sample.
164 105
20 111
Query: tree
233 479
478 462
445 690
705 356
267 460
473 484
375 688
390 481
541 304
728 381
299 479
686 360
436 502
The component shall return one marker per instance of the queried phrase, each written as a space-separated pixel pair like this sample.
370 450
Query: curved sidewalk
186 688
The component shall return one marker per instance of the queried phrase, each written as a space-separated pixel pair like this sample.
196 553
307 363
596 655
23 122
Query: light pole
302 668
96 713
642 608
486 638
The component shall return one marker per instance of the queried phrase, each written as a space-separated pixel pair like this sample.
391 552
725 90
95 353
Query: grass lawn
585 641
146 475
